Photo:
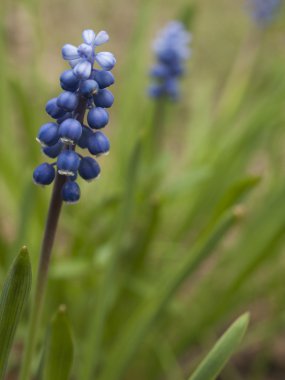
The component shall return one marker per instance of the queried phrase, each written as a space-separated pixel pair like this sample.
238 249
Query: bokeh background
218 151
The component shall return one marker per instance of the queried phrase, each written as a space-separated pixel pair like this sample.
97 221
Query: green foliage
185 228
216 359
12 300
58 353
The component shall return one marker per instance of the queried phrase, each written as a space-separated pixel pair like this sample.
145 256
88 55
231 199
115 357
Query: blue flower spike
171 49
263 11
85 96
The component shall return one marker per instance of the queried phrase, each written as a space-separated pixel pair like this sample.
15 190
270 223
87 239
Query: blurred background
147 263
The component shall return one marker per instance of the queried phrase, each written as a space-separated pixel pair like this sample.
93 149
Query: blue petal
106 60
85 51
69 52
83 70
89 36
101 38
76 61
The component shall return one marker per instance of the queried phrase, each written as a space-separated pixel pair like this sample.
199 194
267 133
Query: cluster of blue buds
171 48
85 89
263 11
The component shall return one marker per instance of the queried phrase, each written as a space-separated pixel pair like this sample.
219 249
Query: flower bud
53 110
68 162
68 81
48 134
104 98
44 174
97 117
98 144
70 131
103 78
67 101
70 192
89 168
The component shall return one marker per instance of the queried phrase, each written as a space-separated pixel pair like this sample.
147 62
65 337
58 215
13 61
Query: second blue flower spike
171 48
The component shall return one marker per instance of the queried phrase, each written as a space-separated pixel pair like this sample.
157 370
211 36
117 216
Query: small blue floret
98 144
44 174
53 110
89 168
88 88
68 101
104 98
70 192
68 81
68 163
86 133
70 131
103 78
53 150
97 118
48 134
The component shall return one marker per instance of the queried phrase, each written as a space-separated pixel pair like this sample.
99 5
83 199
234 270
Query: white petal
69 52
101 38
89 36
83 70
106 60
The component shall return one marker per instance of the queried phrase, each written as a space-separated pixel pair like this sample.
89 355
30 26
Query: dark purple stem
46 249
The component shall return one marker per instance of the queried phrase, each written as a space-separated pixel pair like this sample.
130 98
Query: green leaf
58 356
217 358
13 297
135 330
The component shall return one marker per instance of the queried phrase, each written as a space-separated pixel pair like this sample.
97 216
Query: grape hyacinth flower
263 11
171 48
84 91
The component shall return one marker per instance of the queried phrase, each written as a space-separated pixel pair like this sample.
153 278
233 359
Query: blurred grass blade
187 15
58 356
14 295
135 331
233 195
217 358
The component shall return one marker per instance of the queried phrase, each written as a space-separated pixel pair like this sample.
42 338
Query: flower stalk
47 244
46 249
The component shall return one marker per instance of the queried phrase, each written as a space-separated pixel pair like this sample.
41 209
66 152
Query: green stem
157 127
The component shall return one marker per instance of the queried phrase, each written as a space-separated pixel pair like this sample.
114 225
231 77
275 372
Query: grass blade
133 335
59 349
14 296
217 358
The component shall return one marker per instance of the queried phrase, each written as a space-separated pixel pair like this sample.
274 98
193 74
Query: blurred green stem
47 244
157 126
239 77
104 301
